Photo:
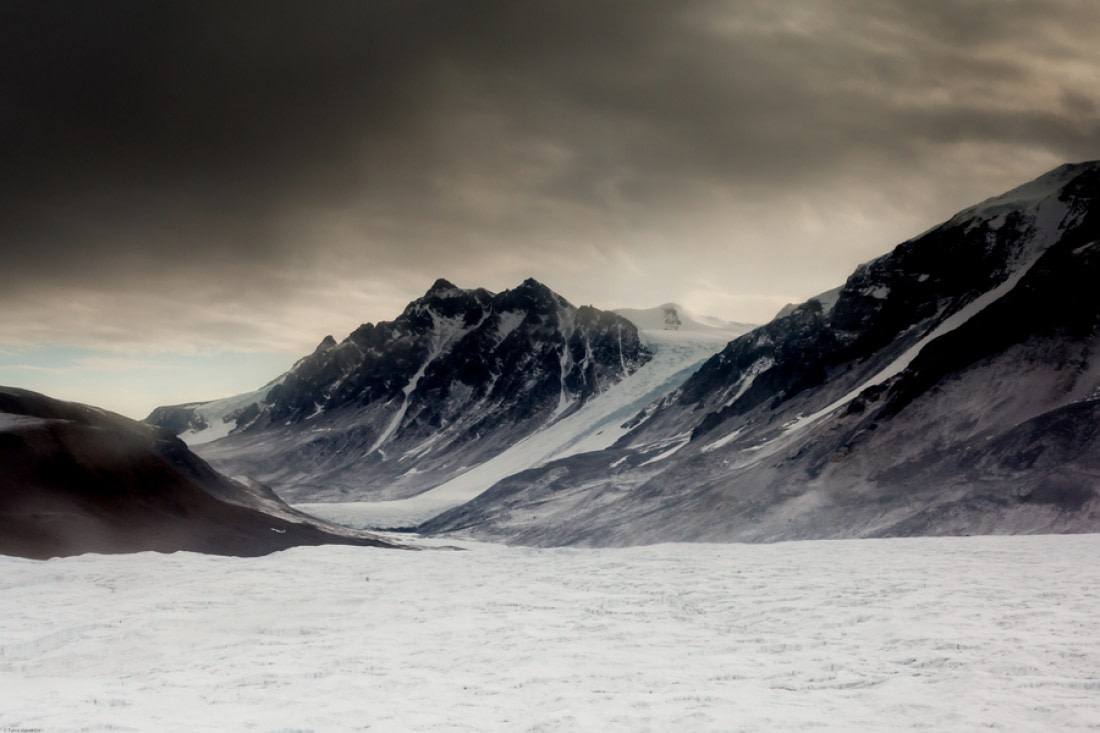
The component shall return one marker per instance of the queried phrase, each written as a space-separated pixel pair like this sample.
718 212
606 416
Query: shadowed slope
77 479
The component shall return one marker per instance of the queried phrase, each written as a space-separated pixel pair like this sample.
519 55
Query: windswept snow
679 442
943 634
1027 197
749 376
723 441
1037 200
8 421
596 425
565 360
509 321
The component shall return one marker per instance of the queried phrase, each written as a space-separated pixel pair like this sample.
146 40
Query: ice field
931 634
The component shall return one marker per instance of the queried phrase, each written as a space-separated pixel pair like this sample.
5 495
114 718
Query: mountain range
947 386
950 386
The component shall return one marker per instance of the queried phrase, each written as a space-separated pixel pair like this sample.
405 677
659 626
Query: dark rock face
177 419
398 407
453 339
951 387
77 479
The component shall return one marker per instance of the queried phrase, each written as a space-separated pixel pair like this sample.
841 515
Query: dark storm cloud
145 143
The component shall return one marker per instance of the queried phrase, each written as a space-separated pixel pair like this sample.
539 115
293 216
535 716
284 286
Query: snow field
934 634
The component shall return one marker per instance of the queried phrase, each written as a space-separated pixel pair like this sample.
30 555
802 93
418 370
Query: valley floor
935 634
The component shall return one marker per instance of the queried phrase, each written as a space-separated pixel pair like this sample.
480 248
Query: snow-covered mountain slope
951 386
596 425
78 479
400 407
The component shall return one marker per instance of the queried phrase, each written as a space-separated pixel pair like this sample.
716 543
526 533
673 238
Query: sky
193 194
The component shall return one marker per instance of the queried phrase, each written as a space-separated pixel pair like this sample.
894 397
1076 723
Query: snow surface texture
595 426
940 634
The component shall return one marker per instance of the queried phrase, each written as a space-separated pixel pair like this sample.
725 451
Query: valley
947 387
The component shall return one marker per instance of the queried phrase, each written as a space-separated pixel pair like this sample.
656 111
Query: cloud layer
254 175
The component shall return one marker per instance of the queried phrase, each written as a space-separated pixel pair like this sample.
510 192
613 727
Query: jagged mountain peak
441 286
446 301
532 294
458 368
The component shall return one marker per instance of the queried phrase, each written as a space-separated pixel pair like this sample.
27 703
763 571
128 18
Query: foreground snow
938 634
